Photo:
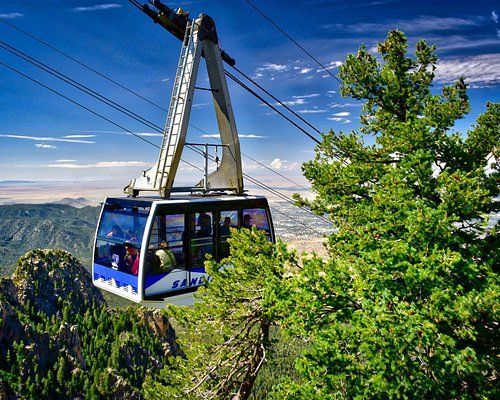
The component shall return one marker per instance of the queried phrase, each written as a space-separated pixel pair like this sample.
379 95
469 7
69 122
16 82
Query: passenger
135 268
205 224
116 232
247 218
130 257
167 259
225 227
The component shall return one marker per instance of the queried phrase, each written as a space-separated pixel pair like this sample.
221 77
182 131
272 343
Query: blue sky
45 138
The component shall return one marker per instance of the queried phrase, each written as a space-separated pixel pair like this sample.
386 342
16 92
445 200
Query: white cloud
494 16
422 23
79 136
342 114
145 134
11 15
273 67
64 160
240 135
299 101
311 111
98 7
481 69
101 164
331 65
339 119
251 136
305 70
200 105
48 139
343 105
45 146
276 163
306 96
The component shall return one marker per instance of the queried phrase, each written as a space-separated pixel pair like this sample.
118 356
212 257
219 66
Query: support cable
253 180
246 87
138 5
86 66
87 109
109 102
293 40
278 100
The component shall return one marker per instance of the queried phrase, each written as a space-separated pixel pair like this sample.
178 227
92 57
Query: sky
46 139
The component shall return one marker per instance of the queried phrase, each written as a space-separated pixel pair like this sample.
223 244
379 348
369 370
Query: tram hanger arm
173 22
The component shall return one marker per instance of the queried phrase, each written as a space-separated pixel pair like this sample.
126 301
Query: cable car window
201 237
117 246
165 249
256 217
228 220
165 264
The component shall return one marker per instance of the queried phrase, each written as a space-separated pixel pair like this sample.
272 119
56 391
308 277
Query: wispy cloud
294 102
269 69
314 110
11 15
423 23
200 105
477 70
339 119
272 67
240 135
101 164
331 65
45 146
79 136
64 160
98 7
144 134
343 105
278 163
306 96
47 139
342 114
494 16
305 70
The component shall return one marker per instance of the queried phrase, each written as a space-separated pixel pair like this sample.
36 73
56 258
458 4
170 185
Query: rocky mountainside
58 338
28 226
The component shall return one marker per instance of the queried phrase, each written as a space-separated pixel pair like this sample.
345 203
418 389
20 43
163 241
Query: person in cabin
131 255
225 227
247 221
167 259
205 224
135 268
115 232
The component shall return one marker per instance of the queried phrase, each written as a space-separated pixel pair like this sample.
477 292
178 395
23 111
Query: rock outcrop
58 339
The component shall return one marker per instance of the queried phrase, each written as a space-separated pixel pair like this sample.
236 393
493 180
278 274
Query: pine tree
407 305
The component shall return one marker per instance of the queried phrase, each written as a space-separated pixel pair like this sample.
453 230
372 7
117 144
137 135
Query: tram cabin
152 250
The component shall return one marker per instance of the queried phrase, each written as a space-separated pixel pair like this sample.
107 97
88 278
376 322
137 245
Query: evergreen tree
227 333
407 304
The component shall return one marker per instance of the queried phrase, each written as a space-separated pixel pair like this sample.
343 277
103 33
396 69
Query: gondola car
152 250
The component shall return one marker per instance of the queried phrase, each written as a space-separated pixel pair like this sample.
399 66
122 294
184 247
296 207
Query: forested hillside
25 227
58 338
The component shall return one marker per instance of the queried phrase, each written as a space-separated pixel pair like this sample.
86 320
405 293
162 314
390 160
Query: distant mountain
59 340
25 227
75 202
